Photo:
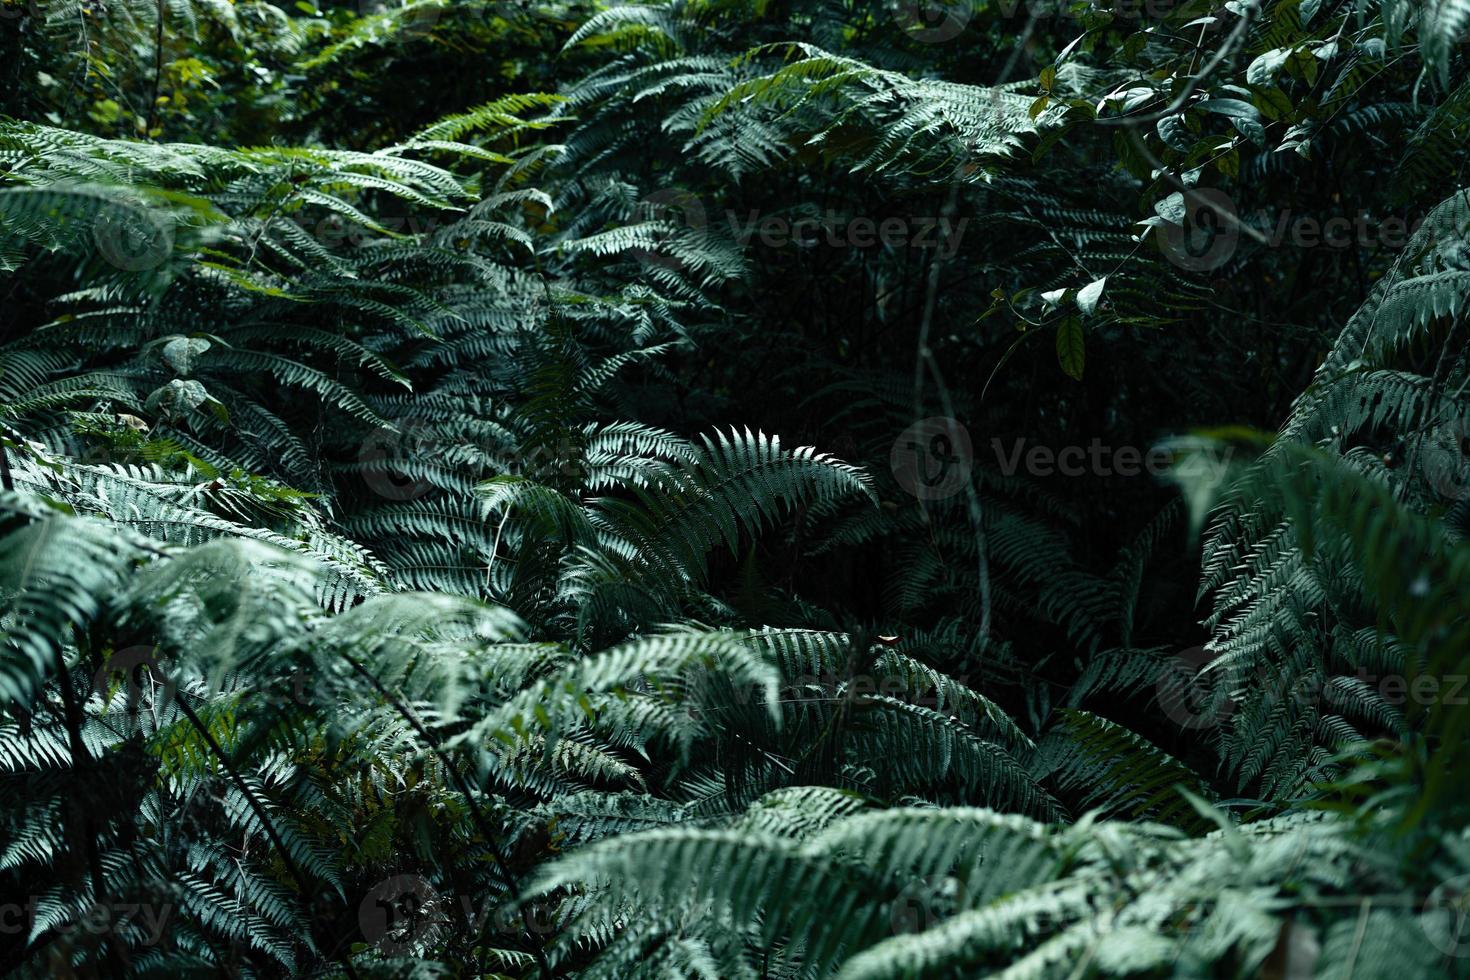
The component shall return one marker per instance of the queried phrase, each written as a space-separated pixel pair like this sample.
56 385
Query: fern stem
81 815
259 810
491 838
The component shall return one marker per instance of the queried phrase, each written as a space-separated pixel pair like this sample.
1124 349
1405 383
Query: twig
491 839
924 358
256 808
1225 51
157 69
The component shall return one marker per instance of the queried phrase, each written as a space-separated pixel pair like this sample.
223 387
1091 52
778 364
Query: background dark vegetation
403 575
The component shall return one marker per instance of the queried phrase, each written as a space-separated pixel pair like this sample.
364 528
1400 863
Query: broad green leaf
1070 352
1088 296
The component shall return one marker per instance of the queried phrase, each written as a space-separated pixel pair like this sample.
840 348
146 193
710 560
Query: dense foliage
734 488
